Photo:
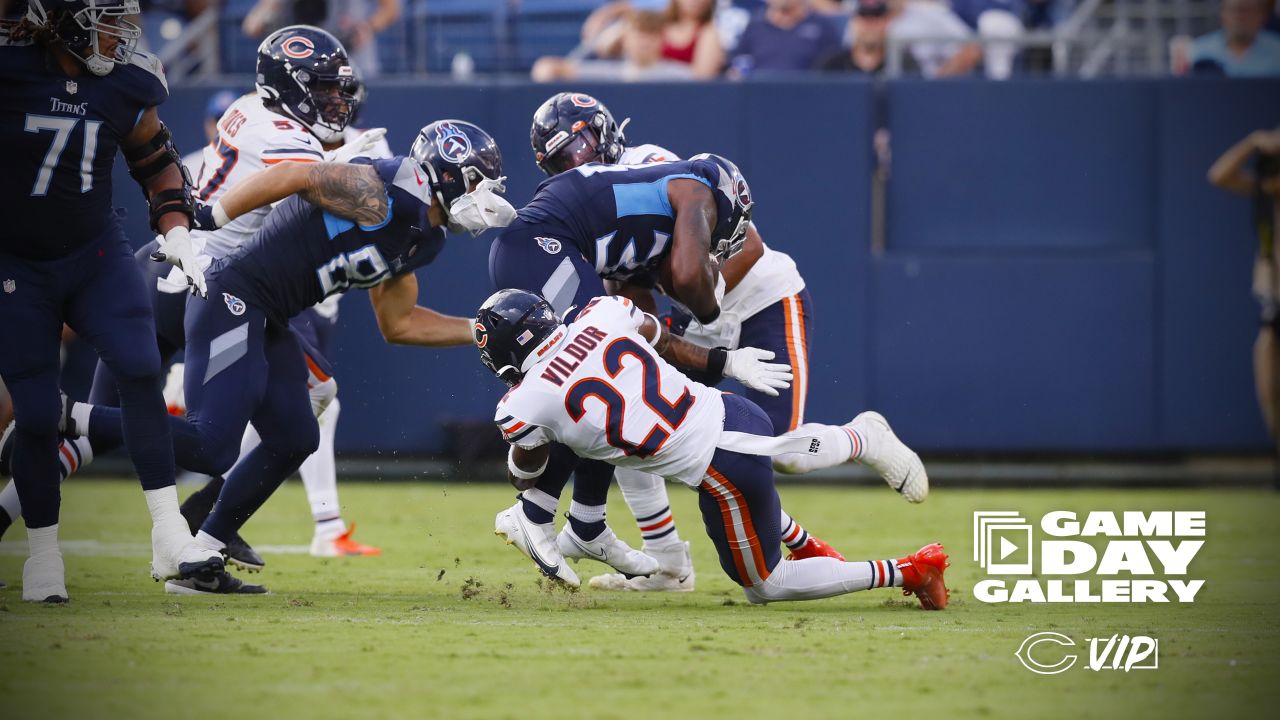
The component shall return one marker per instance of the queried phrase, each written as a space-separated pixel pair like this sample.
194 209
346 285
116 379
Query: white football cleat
896 463
175 554
44 578
608 549
535 540
675 574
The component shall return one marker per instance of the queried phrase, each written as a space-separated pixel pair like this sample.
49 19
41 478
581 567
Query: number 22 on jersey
670 413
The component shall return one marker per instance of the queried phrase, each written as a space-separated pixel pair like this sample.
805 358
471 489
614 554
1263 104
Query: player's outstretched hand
175 249
360 146
748 366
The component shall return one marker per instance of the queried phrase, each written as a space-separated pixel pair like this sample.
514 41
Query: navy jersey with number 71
60 135
303 254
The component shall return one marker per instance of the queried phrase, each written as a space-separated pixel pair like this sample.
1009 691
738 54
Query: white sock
646 496
822 577
793 534
319 473
164 508
9 501
80 416
837 444
73 455
330 528
586 513
205 540
542 500
43 541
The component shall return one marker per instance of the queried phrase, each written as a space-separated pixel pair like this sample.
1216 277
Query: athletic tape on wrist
523 474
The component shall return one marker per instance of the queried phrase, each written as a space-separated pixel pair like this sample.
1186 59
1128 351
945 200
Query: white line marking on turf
95 548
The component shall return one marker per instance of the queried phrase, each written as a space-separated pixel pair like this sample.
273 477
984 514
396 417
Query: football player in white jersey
765 304
601 386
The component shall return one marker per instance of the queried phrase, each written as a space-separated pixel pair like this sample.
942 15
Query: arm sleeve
518 432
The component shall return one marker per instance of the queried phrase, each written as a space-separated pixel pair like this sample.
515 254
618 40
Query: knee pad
322 393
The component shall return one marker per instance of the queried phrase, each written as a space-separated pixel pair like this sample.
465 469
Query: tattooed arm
354 192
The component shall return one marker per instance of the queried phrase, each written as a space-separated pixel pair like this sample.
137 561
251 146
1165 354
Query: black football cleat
222 583
240 554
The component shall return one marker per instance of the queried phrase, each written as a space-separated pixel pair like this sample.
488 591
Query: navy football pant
100 294
239 369
167 309
566 281
739 503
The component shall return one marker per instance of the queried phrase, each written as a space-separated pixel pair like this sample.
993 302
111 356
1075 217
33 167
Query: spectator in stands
642 58
1242 48
999 24
868 36
689 33
786 37
1231 172
357 23
938 40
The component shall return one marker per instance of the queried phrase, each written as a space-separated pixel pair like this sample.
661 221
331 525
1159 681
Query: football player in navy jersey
73 90
667 222
367 224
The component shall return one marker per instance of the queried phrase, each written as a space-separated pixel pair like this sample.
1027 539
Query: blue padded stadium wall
1058 274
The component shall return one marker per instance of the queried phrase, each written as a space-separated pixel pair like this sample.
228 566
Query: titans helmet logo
452 143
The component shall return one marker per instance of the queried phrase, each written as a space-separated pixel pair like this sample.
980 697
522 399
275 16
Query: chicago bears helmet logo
551 245
298 47
582 101
453 144
481 334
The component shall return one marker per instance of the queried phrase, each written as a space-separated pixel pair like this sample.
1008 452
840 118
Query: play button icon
1007 548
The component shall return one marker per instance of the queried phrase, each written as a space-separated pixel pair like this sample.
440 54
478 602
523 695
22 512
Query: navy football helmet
508 327
456 155
88 25
572 129
304 73
734 203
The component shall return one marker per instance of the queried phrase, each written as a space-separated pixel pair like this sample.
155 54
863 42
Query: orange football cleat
342 546
813 547
922 576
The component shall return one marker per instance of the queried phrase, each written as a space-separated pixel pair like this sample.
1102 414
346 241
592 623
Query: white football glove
747 366
366 142
175 249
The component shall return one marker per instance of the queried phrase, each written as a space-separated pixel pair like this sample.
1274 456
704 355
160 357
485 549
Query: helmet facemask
481 208
90 28
330 102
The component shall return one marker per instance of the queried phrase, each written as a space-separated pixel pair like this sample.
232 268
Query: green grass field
451 623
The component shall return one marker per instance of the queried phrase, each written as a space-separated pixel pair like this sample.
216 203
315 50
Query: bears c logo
298 47
481 334
582 101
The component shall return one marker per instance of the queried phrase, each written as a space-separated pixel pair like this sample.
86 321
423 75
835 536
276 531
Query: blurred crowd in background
674 40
